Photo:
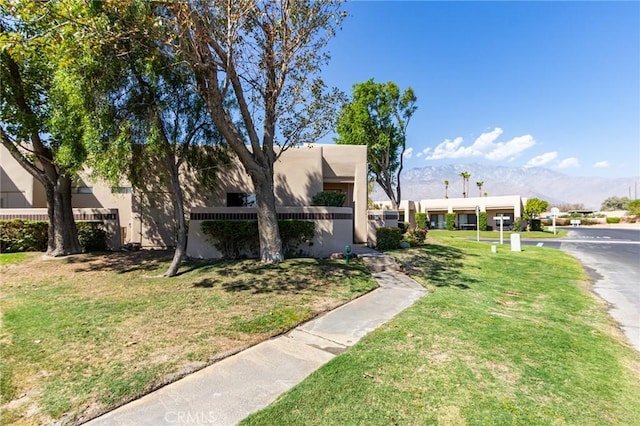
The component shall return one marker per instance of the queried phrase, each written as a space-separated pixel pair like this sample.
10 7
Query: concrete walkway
228 391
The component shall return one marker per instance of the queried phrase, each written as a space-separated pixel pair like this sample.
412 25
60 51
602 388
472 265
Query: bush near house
388 238
239 238
613 220
483 221
19 235
421 221
451 221
328 199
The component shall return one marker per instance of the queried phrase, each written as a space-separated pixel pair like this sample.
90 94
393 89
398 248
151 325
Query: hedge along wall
333 228
17 235
108 218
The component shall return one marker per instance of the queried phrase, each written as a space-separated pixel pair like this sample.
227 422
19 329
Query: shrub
388 238
236 238
404 226
329 199
536 225
416 237
232 237
451 221
421 221
613 220
293 233
633 207
23 235
519 225
91 236
483 221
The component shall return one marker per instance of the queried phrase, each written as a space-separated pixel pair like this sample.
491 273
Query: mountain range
528 182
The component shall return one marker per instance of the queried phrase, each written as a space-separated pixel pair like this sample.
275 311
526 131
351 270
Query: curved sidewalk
228 391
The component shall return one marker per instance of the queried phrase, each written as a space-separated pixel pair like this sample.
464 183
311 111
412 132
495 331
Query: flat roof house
146 217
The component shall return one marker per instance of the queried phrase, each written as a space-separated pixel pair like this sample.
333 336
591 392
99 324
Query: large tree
40 122
267 55
149 111
534 207
614 203
378 116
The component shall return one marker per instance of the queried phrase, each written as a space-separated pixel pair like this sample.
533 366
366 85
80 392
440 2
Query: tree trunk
270 242
63 234
181 246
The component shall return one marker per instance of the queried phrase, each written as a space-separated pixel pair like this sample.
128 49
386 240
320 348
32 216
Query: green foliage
416 237
404 226
18 235
377 117
613 220
329 199
91 236
483 221
293 233
235 239
534 207
388 238
634 207
614 203
451 221
536 224
519 225
421 220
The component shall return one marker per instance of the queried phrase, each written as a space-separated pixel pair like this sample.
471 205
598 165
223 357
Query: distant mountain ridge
534 182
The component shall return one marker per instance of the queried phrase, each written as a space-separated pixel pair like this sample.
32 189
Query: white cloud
567 163
484 146
601 165
423 152
408 153
542 159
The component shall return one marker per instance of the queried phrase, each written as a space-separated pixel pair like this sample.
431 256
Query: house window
83 190
241 199
437 221
464 219
121 190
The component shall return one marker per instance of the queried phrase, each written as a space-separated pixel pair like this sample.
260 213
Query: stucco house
145 216
509 207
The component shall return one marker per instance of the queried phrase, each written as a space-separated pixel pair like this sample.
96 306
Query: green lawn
512 338
84 334
443 233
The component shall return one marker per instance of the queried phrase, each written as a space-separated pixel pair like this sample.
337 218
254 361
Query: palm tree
465 183
446 189
479 185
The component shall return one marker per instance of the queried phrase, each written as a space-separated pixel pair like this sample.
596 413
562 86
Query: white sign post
501 219
478 223
554 213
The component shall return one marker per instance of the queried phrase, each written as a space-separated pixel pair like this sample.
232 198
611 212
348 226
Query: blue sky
550 84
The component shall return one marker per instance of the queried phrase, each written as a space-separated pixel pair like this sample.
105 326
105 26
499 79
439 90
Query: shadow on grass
440 265
292 276
121 262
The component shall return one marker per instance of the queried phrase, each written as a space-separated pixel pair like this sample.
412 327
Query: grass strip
505 338
84 334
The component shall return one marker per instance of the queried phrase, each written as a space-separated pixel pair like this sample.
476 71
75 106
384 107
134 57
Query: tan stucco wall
16 184
147 217
330 235
348 163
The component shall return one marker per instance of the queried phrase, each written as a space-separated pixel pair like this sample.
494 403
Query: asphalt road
612 258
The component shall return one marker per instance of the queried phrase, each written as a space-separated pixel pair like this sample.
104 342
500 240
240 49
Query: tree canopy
614 203
533 207
267 56
378 116
43 120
